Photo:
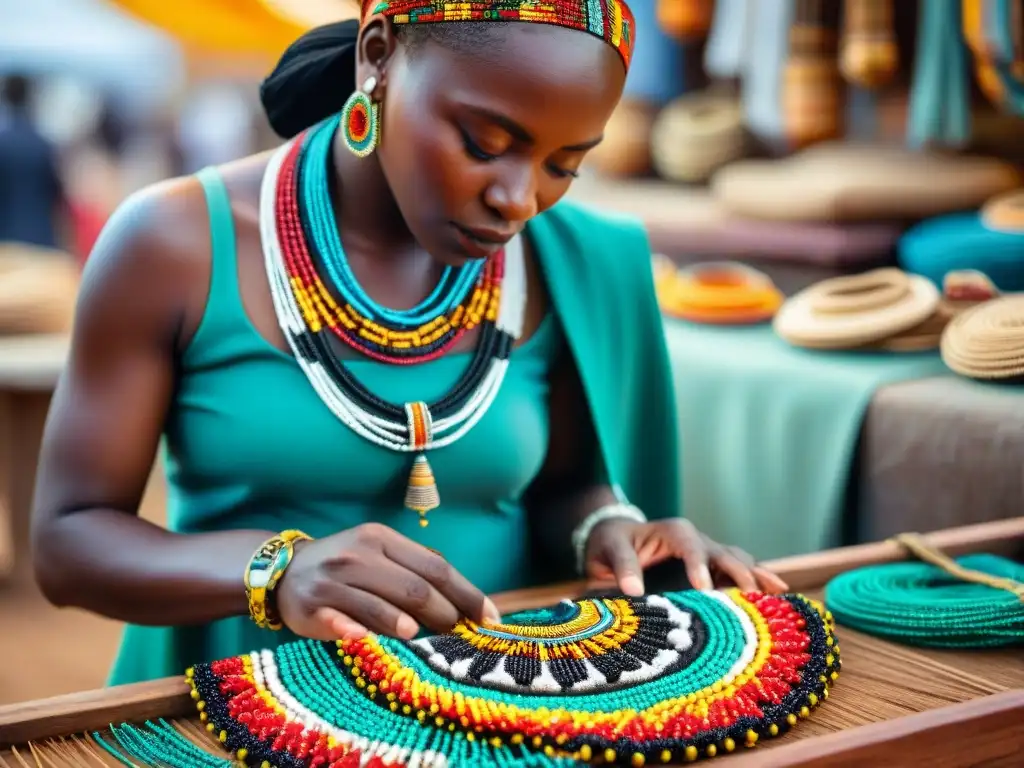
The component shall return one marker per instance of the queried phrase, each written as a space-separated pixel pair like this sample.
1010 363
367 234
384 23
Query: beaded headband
611 20
659 679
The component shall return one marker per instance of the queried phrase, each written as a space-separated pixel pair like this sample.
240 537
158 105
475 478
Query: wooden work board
956 709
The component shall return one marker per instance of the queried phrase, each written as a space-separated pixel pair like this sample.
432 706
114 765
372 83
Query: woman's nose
513 195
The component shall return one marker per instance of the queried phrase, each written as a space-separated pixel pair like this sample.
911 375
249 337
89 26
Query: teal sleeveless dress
248 444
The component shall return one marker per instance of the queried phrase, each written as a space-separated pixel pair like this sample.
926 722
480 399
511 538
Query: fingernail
704 577
632 585
407 626
491 613
353 632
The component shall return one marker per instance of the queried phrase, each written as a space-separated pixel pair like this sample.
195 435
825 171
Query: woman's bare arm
90 549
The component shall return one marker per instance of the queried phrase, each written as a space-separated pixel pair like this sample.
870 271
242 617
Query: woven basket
857 310
696 135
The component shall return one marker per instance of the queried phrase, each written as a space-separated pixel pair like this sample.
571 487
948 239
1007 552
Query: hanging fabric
939 111
729 39
762 68
992 29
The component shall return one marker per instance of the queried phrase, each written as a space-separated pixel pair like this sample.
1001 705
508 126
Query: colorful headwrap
611 20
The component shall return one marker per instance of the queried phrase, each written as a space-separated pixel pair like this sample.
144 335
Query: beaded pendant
296 222
659 679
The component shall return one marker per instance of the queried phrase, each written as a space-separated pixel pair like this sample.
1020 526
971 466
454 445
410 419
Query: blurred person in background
428 160
31 189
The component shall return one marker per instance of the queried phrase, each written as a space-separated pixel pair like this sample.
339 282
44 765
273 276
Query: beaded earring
360 120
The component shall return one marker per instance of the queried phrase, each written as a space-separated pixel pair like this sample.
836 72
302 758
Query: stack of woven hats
884 309
987 341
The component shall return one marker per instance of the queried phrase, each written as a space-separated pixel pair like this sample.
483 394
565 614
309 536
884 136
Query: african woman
386 357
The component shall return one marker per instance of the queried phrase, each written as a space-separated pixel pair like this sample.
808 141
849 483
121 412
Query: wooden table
29 368
965 709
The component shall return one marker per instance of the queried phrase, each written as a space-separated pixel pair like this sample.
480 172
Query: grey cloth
939 453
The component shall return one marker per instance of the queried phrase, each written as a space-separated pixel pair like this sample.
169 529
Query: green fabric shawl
599 274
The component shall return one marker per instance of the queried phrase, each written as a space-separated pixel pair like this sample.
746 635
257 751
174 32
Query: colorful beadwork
611 20
361 120
296 220
462 299
659 679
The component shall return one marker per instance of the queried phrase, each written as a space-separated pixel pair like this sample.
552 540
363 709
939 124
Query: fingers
455 588
406 590
338 626
744 571
769 581
688 545
733 567
357 608
625 565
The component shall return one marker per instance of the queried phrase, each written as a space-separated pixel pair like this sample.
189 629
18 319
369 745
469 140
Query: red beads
358 122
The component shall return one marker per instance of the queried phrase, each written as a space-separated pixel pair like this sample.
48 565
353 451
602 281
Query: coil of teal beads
921 604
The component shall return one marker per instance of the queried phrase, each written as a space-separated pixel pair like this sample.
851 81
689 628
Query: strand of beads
922 604
369 416
307 314
322 231
306 222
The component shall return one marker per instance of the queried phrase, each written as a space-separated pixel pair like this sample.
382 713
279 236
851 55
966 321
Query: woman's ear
377 44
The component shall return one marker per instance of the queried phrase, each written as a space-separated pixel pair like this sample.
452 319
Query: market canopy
95 43
244 27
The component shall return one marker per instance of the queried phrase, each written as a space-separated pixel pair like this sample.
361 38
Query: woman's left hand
622 549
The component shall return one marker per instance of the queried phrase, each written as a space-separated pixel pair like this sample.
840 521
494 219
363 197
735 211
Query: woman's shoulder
153 255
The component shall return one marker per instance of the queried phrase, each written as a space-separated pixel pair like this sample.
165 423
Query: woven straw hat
857 310
987 341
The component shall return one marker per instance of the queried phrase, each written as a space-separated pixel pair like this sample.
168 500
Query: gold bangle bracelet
265 569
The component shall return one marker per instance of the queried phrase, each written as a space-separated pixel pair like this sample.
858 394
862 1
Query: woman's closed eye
477 152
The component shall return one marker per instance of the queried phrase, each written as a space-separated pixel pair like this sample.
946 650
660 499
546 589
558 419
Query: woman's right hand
371 578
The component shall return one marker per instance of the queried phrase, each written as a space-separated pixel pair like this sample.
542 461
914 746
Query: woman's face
474 145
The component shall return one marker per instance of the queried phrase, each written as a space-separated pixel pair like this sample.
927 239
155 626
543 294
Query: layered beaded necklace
298 230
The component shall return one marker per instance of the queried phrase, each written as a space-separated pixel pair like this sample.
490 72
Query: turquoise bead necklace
452 289
976 601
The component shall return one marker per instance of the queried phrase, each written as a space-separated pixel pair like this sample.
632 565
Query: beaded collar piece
611 20
632 681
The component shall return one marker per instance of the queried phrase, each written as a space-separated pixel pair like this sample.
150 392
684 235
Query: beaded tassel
421 495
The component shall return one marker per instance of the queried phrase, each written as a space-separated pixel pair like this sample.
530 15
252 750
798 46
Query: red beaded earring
360 120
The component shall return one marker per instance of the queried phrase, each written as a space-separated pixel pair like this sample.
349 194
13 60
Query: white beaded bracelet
581 535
